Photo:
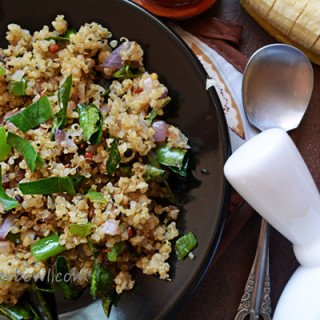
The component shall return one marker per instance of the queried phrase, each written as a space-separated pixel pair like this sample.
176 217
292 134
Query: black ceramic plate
197 112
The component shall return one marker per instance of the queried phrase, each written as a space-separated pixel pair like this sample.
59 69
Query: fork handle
255 301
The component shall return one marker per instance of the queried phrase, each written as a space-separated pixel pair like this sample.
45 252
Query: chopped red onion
147 85
59 135
10 113
5 247
111 227
17 75
6 226
160 130
82 91
165 94
114 60
105 109
71 106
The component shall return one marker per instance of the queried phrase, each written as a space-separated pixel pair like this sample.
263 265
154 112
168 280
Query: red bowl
171 3
172 10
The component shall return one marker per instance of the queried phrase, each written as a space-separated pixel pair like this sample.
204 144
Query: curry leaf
63 279
126 72
174 158
14 237
90 120
31 309
18 88
96 197
114 158
5 149
16 312
76 180
183 170
33 160
153 173
101 281
107 305
169 193
44 303
170 156
82 230
59 119
48 186
33 115
7 202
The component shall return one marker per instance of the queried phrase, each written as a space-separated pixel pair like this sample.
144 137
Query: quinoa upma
84 161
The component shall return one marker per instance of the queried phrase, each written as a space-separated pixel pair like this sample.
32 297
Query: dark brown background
219 294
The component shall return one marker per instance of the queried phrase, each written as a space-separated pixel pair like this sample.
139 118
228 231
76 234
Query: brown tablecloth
219 294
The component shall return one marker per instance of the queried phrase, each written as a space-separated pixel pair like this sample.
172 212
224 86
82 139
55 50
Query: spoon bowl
277 86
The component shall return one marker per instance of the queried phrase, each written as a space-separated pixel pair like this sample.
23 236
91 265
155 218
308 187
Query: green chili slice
185 244
96 197
82 230
112 255
18 88
2 71
46 247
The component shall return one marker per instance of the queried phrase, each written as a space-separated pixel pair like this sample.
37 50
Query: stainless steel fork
255 302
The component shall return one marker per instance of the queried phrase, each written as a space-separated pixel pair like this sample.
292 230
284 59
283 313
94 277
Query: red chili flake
138 90
100 258
106 250
131 231
88 156
53 48
90 213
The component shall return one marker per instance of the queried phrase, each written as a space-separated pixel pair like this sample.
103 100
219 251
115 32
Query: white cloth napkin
227 81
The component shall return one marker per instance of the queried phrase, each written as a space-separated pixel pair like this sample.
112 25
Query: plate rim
224 141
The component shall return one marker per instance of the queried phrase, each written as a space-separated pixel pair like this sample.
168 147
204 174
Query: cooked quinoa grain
116 199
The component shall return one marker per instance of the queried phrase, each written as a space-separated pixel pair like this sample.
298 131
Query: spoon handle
256 300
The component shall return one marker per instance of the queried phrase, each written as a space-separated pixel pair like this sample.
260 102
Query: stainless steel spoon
276 90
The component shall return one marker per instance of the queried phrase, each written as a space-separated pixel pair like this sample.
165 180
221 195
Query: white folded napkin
227 81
